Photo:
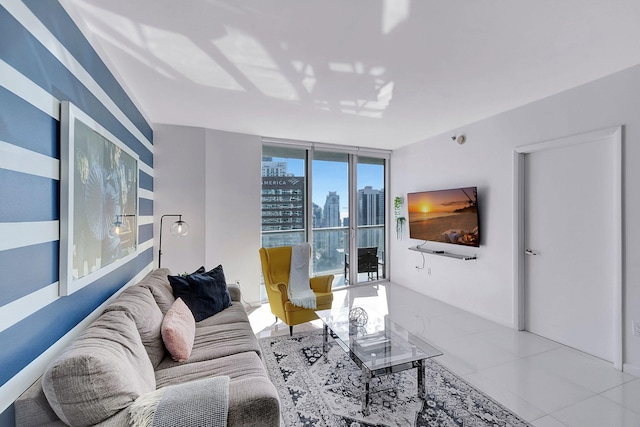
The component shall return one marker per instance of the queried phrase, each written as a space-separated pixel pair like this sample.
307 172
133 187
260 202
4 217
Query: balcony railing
330 245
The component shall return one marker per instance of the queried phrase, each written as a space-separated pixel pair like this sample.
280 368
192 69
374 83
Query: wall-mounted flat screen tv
445 216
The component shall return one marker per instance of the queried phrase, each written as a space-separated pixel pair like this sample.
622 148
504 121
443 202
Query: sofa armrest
321 284
253 402
234 292
32 408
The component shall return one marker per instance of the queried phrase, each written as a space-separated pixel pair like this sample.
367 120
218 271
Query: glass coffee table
376 344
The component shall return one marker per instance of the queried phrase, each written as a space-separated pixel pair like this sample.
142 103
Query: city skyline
284 211
332 176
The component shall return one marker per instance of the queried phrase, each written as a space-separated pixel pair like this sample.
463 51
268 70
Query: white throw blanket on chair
299 290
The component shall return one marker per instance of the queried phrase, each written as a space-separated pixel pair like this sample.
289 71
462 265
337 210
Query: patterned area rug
318 392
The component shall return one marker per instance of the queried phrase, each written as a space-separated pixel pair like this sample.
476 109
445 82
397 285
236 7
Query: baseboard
631 369
251 305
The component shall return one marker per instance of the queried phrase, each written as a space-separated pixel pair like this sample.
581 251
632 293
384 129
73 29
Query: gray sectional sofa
121 357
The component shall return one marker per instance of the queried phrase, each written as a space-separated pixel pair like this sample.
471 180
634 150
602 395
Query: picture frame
99 183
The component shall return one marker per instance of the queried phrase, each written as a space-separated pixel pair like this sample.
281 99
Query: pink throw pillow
179 331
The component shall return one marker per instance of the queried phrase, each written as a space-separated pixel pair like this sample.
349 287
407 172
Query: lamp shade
179 228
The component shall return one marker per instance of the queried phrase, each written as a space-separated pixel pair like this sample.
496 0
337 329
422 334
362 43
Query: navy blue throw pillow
205 293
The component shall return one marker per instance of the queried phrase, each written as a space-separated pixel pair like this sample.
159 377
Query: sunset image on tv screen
446 216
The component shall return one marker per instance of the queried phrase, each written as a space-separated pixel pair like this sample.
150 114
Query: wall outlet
636 328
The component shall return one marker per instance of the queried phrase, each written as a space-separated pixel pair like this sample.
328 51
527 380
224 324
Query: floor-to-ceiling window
371 209
331 196
330 192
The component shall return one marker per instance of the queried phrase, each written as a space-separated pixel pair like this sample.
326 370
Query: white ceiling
373 73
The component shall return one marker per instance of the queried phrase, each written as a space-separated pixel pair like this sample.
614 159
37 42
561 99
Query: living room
186 162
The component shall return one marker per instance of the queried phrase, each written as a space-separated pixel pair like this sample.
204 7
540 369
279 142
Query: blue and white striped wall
44 59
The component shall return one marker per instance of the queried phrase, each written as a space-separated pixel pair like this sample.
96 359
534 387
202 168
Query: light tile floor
545 383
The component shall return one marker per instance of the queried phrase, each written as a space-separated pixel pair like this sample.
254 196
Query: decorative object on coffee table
358 316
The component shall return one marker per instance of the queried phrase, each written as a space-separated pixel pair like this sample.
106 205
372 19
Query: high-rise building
282 203
370 206
328 241
274 168
370 212
331 211
317 216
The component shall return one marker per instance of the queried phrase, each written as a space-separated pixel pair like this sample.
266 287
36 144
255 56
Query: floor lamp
178 229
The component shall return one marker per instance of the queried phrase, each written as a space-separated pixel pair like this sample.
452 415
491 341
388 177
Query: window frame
353 153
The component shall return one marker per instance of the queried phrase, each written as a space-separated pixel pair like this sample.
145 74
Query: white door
570 237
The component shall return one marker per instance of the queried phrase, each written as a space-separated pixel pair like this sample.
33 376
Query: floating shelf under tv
443 253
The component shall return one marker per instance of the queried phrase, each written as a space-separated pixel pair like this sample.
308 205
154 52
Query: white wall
179 186
212 178
486 160
234 187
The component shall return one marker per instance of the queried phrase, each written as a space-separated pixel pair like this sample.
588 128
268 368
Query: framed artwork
98 200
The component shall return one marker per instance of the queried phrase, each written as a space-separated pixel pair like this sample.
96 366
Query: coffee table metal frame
378 347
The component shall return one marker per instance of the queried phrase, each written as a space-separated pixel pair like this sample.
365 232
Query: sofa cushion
234 313
228 338
218 341
244 365
158 283
178 331
140 303
204 293
253 399
100 373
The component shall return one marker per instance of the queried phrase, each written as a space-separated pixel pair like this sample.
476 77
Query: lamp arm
124 215
160 241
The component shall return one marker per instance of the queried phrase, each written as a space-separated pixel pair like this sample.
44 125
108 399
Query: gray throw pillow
158 284
101 373
141 305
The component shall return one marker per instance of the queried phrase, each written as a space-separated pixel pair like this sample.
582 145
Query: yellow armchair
276 264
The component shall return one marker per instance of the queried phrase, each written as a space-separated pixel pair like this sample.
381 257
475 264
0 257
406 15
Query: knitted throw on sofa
201 403
299 292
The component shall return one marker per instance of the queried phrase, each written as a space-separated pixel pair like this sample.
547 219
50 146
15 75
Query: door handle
530 252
